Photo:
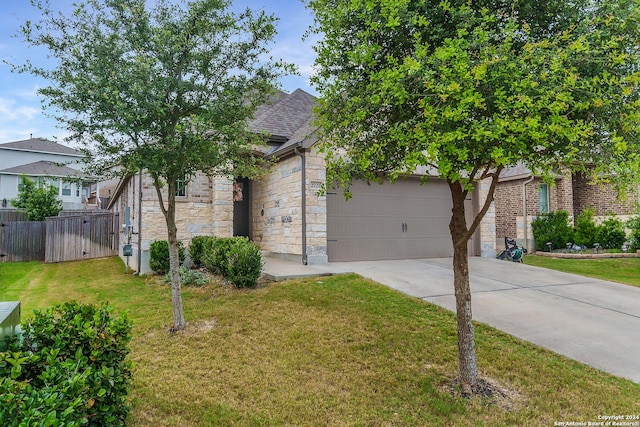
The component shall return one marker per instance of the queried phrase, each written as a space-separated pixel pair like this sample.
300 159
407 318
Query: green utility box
9 322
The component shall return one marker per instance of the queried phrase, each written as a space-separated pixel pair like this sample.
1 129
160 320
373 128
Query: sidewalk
279 269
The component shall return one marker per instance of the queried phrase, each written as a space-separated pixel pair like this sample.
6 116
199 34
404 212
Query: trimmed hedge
610 234
68 370
552 227
586 229
197 248
235 258
245 264
159 255
216 257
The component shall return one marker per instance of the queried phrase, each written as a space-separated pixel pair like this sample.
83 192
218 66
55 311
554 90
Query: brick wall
508 202
600 197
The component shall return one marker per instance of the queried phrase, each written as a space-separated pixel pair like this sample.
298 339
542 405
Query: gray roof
285 116
40 145
518 171
44 168
304 137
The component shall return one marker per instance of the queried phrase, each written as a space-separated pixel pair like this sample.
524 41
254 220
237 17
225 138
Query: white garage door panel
369 226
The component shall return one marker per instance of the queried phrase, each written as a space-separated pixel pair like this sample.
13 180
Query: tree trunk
179 323
466 341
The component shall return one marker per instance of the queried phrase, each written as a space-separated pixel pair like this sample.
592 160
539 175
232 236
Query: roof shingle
40 145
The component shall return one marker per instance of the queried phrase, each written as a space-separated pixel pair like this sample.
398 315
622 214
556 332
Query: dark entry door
241 206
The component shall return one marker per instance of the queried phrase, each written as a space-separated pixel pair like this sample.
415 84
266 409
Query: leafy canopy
38 201
167 88
468 88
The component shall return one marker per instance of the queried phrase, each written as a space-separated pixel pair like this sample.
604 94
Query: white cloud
10 112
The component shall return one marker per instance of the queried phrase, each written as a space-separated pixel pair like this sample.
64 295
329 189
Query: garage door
390 221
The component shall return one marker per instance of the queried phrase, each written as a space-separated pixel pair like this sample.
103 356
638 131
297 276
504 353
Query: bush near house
245 264
197 248
216 256
159 255
189 277
610 234
634 225
586 229
235 258
552 227
69 369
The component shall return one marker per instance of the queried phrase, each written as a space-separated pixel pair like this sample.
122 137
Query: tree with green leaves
37 201
467 89
166 89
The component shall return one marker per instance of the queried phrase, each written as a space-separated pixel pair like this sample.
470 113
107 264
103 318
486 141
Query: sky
21 113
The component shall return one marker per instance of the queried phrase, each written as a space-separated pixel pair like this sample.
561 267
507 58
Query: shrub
634 225
189 277
159 255
586 229
610 234
69 369
216 257
38 201
245 264
197 248
552 227
57 395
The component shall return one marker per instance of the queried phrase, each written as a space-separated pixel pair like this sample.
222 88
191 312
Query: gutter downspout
139 224
303 194
524 212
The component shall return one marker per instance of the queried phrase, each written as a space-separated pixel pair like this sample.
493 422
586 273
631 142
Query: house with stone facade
521 194
285 213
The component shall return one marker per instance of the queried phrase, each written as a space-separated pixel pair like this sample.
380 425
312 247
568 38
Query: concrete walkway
593 321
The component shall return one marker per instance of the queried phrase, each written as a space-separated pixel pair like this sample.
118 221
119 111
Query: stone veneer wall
196 214
277 209
487 228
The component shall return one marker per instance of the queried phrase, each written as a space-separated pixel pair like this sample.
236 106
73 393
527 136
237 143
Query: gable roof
40 145
285 116
45 168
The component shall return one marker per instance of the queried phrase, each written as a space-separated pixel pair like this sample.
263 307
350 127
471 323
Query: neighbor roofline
80 155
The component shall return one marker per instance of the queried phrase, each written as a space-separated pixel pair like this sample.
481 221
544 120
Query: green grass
622 270
340 351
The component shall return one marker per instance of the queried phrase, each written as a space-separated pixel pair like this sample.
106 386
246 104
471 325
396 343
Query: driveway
593 321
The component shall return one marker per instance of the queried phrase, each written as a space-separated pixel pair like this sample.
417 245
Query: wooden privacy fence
12 215
64 238
81 237
22 241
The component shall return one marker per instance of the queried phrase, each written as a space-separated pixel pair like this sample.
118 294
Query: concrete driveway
589 320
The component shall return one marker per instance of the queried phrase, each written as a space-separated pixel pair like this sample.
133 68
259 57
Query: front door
241 206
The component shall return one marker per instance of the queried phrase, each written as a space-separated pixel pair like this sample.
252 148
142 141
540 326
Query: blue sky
20 107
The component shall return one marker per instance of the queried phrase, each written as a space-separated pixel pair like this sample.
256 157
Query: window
543 195
30 178
66 188
181 187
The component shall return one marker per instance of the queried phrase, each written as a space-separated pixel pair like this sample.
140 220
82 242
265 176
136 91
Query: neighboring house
570 192
286 216
44 161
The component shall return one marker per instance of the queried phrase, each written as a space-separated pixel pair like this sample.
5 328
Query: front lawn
340 351
622 270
